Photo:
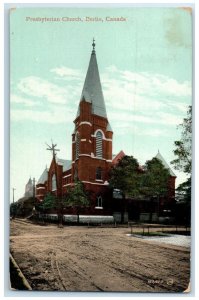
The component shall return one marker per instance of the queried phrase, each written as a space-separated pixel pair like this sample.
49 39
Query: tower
29 188
92 136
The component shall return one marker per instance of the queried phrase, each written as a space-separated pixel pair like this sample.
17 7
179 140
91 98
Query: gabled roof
165 164
44 176
61 162
92 89
117 157
67 164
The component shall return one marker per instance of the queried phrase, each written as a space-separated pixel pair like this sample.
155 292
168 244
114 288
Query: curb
17 279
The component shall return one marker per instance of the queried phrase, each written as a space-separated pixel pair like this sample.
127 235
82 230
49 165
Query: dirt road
96 259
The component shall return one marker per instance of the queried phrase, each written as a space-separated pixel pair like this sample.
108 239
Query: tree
77 197
183 162
183 203
48 202
155 180
125 176
183 146
13 209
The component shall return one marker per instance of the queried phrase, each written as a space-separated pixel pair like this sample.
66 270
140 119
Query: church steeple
93 44
92 89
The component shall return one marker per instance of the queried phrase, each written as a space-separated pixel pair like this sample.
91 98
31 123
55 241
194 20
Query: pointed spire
93 44
92 89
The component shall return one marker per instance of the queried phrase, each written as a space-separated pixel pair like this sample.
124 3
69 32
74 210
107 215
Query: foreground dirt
96 259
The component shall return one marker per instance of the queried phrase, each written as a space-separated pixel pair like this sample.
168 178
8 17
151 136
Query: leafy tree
13 209
183 161
125 176
183 191
183 204
155 181
183 146
77 197
48 202
155 178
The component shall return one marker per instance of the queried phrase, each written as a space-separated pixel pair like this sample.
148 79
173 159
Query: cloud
134 129
54 116
130 97
37 87
147 84
67 73
144 98
158 118
20 100
154 132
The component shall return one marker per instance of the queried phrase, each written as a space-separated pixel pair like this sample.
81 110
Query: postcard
100 149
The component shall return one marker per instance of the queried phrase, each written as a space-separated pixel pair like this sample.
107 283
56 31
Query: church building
91 146
92 155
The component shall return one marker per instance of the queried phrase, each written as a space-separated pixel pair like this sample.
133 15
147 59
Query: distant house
26 204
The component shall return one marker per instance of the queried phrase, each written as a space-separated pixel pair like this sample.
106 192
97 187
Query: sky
145 65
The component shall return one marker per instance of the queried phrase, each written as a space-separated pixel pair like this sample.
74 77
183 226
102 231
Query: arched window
77 146
99 144
99 201
99 173
54 184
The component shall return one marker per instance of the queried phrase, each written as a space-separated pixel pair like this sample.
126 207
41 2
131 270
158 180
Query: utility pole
33 192
13 195
59 189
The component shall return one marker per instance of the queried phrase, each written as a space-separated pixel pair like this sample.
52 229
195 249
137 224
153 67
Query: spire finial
93 44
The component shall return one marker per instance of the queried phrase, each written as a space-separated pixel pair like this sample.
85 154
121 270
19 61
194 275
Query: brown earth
96 259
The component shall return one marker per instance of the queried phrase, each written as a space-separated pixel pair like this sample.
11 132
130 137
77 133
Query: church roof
165 164
65 163
117 157
43 177
92 89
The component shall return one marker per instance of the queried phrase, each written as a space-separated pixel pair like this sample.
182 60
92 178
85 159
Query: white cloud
181 107
133 129
171 119
129 96
161 118
144 98
37 87
143 91
154 84
67 73
154 132
54 116
20 100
